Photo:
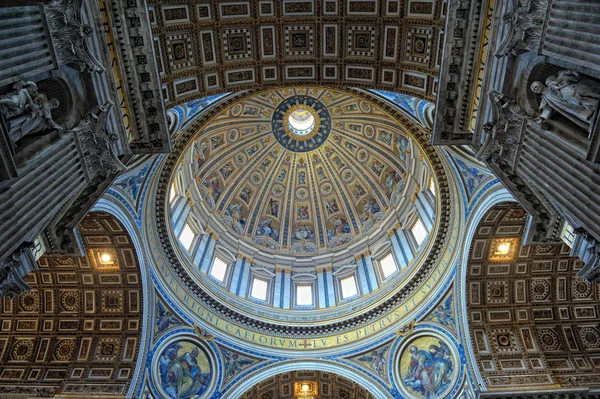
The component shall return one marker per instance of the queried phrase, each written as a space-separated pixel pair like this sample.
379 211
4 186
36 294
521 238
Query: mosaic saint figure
302 211
302 177
252 150
429 370
376 359
391 181
265 228
377 167
303 232
282 174
385 137
226 171
332 206
216 141
273 209
245 194
320 173
201 152
443 313
214 187
359 191
402 146
181 374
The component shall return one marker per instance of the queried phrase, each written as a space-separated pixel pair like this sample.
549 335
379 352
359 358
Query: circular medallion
233 135
362 155
302 193
301 123
427 367
369 131
236 110
240 158
257 178
183 367
326 188
347 175
277 190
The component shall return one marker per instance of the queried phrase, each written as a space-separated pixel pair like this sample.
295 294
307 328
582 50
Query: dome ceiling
302 170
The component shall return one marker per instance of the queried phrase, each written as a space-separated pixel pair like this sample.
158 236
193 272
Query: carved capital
69 35
503 133
95 143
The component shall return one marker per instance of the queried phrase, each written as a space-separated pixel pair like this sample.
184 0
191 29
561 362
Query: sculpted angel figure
15 102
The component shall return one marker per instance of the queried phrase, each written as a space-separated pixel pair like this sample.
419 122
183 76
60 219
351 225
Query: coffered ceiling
207 47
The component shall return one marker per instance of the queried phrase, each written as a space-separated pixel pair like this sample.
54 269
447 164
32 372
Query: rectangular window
259 289
568 235
418 231
432 186
304 296
218 269
388 265
348 286
186 237
172 194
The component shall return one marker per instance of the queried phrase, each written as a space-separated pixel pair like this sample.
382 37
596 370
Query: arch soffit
240 387
111 207
494 196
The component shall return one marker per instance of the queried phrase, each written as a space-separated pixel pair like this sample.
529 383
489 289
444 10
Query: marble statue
526 24
570 95
27 111
15 102
34 117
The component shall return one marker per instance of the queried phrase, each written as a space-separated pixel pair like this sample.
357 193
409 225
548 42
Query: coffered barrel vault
212 47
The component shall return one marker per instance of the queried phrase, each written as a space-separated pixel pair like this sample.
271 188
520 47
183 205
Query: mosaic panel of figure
185 370
427 367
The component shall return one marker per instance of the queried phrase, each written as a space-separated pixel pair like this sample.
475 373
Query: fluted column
572 32
25 47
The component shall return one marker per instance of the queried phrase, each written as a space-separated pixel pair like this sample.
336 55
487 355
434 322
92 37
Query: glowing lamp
503 248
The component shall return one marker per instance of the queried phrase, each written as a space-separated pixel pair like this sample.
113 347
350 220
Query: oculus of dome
301 123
